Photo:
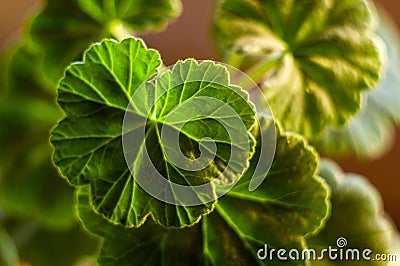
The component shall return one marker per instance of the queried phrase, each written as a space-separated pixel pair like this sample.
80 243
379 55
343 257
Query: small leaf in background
64 29
88 143
24 75
313 59
290 204
371 133
357 216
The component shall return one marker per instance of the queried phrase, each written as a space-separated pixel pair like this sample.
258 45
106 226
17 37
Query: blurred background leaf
312 59
357 215
29 184
371 133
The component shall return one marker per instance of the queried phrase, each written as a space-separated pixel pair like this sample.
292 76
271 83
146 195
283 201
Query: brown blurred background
189 37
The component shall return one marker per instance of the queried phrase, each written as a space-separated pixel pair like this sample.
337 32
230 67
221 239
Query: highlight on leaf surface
357 217
371 133
312 58
66 28
291 203
184 132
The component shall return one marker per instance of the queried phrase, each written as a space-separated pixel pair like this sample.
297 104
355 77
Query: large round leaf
88 144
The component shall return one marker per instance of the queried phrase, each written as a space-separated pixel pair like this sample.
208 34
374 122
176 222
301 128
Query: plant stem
234 60
256 73
118 30
260 70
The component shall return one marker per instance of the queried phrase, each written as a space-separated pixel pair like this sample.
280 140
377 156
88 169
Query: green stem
256 73
109 7
234 60
118 30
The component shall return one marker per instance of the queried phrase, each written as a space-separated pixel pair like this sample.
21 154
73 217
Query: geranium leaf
186 104
312 58
145 245
357 220
66 28
371 133
290 204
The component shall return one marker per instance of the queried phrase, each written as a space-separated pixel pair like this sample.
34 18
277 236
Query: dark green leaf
357 215
371 133
87 151
147 245
312 58
290 204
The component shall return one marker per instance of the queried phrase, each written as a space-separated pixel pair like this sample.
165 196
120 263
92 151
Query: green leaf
312 58
8 250
292 201
357 215
88 152
147 245
66 28
27 177
290 204
24 74
371 133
